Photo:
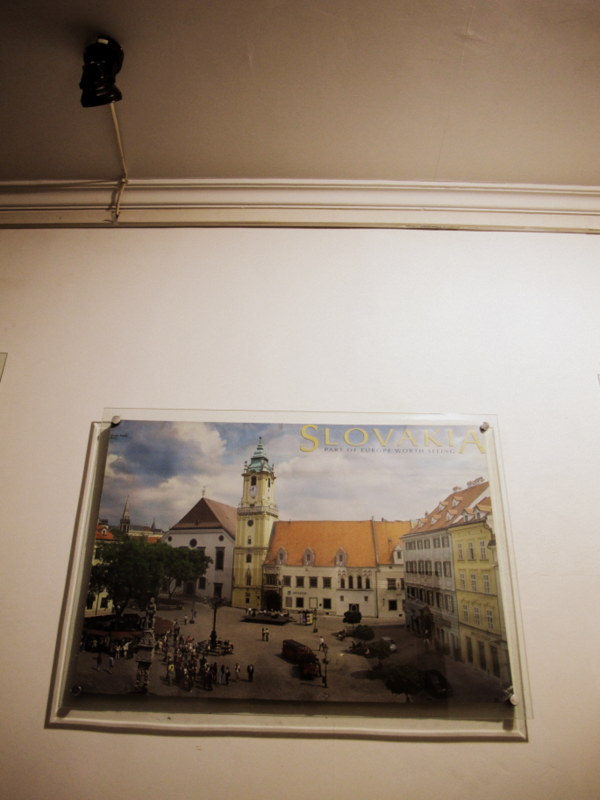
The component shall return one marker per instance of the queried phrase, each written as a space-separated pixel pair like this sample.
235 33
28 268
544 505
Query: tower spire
259 461
125 522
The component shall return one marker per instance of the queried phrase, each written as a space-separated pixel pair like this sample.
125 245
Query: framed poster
292 573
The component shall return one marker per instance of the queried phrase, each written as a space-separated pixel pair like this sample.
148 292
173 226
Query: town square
241 603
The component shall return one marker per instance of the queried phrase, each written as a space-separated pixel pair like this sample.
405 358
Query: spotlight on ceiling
102 61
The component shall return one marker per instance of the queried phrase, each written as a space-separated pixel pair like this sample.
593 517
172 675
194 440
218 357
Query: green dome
259 461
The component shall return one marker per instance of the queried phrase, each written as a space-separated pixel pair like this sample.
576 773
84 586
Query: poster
344 574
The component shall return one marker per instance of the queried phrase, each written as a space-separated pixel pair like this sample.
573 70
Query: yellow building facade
255 517
480 620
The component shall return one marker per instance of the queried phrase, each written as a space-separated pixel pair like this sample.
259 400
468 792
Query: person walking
250 671
171 673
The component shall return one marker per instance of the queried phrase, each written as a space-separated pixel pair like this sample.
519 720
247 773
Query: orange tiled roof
387 536
361 541
456 508
103 534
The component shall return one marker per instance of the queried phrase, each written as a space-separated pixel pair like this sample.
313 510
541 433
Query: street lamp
215 603
324 675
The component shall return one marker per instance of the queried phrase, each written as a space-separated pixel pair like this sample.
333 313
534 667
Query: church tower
255 517
125 522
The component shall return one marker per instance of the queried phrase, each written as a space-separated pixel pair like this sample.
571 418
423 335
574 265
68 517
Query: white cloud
165 468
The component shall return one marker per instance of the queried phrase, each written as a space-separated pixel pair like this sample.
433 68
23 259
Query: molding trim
302 203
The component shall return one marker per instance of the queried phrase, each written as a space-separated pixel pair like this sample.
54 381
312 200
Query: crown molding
301 203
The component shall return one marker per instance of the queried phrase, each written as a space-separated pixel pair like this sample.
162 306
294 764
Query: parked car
302 655
310 666
436 684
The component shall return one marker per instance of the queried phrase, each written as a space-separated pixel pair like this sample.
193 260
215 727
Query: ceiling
501 91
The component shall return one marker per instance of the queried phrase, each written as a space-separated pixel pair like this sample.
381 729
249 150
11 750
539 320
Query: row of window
483 551
478 582
489 616
298 602
482 660
445 602
308 557
444 541
425 544
345 582
474 582
437 568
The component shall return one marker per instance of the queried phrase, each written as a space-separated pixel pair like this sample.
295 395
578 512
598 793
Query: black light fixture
102 61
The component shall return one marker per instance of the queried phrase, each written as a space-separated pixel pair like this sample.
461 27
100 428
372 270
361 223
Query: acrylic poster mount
344 575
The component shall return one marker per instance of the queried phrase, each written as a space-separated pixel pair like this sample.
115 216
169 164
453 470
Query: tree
352 617
404 679
363 632
129 568
380 649
122 570
183 565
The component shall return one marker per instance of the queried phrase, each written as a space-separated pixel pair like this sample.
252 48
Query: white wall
505 324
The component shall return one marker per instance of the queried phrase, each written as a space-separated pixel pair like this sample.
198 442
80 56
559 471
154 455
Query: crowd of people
189 664
113 648
267 614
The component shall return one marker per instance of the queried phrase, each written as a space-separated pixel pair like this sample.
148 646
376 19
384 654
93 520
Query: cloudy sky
323 471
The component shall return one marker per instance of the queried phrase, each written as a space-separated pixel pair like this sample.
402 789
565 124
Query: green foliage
380 649
352 617
182 565
130 568
404 679
363 632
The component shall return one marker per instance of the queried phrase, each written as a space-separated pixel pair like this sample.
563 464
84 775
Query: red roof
208 514
103 534
462 505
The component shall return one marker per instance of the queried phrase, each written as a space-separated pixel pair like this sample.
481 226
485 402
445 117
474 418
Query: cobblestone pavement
349 677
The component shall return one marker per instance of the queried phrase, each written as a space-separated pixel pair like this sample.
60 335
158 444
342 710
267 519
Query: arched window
340 558
308 559
281 556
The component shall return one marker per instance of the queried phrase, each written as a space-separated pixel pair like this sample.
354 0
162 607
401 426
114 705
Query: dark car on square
303 656
436 684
